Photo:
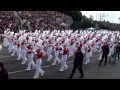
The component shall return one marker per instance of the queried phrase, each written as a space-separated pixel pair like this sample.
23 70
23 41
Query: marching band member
56 59
14 48
30 52
38 71
65 53
88 52
10 45
23 52
71 48
49 50
111 46
18 50
42 48
5 41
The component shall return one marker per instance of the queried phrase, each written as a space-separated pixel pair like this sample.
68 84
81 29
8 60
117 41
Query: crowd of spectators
31 20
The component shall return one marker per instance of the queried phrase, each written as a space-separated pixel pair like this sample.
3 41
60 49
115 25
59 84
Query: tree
87 22
118 19
77 17
91 17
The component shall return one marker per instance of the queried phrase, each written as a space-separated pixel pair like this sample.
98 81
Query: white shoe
50 57
59 61
66 68
35 77
53 63
26 59
86 62
61 70
9 51
42 73
27 69
48 60
18 59
89 61
12 54
34 67
24 62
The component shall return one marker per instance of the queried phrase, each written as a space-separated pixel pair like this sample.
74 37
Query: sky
111 16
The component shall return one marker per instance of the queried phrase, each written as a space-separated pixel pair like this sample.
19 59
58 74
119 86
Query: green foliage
87 22
80 21
76 15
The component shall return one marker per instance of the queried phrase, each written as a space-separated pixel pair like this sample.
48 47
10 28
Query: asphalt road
91 71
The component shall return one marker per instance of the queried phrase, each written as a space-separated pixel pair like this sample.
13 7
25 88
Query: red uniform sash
65 51
18 45
84 41
39 54
80 45
92 44
72 42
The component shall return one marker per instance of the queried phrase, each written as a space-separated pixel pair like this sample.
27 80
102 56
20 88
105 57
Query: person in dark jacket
105 52
3 72
78 61
118 50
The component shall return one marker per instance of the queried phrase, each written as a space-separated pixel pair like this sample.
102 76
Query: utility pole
100 16
112 17
107 17
96 16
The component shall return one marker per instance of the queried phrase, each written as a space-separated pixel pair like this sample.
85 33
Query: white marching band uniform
88 54
18 50
64 51
30 53
38 71
23 52
56 50
49 50
71 48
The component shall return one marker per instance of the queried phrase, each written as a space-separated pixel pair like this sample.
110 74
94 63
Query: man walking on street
118 50
78 61
105 52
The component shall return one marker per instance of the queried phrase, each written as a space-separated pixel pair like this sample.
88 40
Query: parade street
91 71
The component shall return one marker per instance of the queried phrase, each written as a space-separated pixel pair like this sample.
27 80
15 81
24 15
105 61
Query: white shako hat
90 42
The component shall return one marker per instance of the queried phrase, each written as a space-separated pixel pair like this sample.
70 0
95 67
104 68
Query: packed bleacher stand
31 20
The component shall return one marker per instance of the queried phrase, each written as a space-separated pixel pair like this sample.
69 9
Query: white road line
33 69
41 67
16 71
8 56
